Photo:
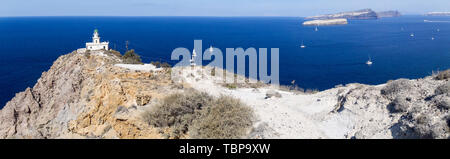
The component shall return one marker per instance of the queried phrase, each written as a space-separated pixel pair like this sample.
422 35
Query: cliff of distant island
388 14
438 14
341 18
359 14
95 95
323 22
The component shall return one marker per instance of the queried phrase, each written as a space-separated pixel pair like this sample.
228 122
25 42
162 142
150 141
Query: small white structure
194 54
96 44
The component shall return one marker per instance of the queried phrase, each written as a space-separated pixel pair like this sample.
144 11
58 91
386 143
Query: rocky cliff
87 95
325 22
79 97
388 14
359 14
438 14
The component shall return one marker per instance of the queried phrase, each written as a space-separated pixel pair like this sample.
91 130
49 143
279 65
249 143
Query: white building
96 44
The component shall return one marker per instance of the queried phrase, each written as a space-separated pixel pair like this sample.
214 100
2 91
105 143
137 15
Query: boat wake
432 21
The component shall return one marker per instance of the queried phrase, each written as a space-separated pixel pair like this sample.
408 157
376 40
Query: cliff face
78 98
360 14
388 14
325 22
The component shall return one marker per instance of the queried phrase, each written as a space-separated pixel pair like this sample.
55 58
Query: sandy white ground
298 115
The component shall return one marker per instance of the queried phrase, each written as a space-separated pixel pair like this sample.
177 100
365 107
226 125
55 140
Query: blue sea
333 55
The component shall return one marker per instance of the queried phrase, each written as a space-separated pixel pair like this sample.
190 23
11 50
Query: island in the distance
438 14
341 18
386 14
359 14
321 22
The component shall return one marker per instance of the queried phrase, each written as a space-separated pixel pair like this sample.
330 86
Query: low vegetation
393 88
399 105
230 85
115 53
296 89
161 64
200 115
228 118
131 57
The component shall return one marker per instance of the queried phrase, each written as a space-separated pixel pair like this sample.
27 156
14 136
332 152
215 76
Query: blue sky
210 7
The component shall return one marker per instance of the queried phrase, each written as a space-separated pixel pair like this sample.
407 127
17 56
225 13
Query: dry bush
200 116
444 103
177 111
230 85
115 53
443 75
395 87
158 64
399 105
228 118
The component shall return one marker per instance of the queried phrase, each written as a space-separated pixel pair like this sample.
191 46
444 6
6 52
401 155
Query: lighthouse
96 44
194 54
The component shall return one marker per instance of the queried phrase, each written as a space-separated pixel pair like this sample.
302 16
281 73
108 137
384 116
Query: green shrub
228 118
444 103
158 64
130 57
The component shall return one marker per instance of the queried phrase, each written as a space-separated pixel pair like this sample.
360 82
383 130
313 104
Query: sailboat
211 49
316 29
302 46
369 62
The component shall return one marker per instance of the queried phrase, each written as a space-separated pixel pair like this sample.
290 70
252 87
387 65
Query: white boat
211 49
316 29
432 38
302 46
438 30
412 35
369 62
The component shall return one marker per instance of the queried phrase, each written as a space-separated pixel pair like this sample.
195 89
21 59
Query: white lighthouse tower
194 54
96 44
